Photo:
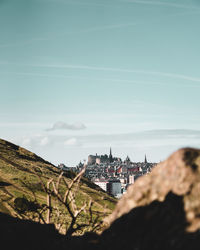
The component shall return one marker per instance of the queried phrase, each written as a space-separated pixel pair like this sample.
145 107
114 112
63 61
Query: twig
48 201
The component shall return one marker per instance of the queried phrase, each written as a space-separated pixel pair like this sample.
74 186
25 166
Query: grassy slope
19 171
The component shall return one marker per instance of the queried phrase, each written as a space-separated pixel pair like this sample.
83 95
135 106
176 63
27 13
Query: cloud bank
66 126
72 142
157 144
162 137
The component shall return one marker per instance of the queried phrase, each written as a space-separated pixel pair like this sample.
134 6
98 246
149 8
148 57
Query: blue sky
80 76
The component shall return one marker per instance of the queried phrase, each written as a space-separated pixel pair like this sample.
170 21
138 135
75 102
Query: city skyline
79 77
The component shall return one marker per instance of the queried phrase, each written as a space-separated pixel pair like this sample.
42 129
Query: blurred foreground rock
25 234
161 210
179 174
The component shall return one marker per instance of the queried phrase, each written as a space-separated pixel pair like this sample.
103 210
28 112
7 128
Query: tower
128 159
145 159
110 156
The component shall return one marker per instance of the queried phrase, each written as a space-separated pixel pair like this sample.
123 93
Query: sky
80 76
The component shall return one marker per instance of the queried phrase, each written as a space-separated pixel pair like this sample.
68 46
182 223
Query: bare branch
58 181
68 199
77 212
48 201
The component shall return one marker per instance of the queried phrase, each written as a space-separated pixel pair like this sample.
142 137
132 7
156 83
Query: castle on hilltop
114 175
97 159
102 159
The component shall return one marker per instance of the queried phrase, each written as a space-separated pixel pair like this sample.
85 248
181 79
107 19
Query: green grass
21 173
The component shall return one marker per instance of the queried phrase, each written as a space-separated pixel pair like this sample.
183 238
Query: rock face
179 174
157 226
161 210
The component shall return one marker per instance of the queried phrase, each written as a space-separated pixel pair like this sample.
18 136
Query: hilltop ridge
23 176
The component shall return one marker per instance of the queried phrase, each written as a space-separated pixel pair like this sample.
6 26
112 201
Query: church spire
110 156
110 151
145 159
128 159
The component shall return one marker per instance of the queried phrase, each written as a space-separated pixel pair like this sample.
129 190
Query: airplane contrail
83 78
73 2
146 72
93 29
95 68
162 3
106 27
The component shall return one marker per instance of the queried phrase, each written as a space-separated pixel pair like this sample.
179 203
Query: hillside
23 179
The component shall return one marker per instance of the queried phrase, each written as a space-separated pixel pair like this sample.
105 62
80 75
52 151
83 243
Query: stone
159 225
179 174
160 210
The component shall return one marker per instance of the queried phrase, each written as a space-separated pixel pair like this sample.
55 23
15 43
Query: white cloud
34 141
71 142
44 141
66 126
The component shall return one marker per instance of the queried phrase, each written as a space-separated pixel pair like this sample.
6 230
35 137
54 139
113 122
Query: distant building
128 160
91 159
119 170
98 159
63 167
145 159
110 156
114 187
102 183
133 169
131 179
114 175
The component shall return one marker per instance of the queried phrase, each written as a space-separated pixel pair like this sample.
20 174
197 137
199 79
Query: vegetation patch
32 188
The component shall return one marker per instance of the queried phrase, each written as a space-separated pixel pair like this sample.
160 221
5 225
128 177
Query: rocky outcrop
157 226
179 174
161 210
